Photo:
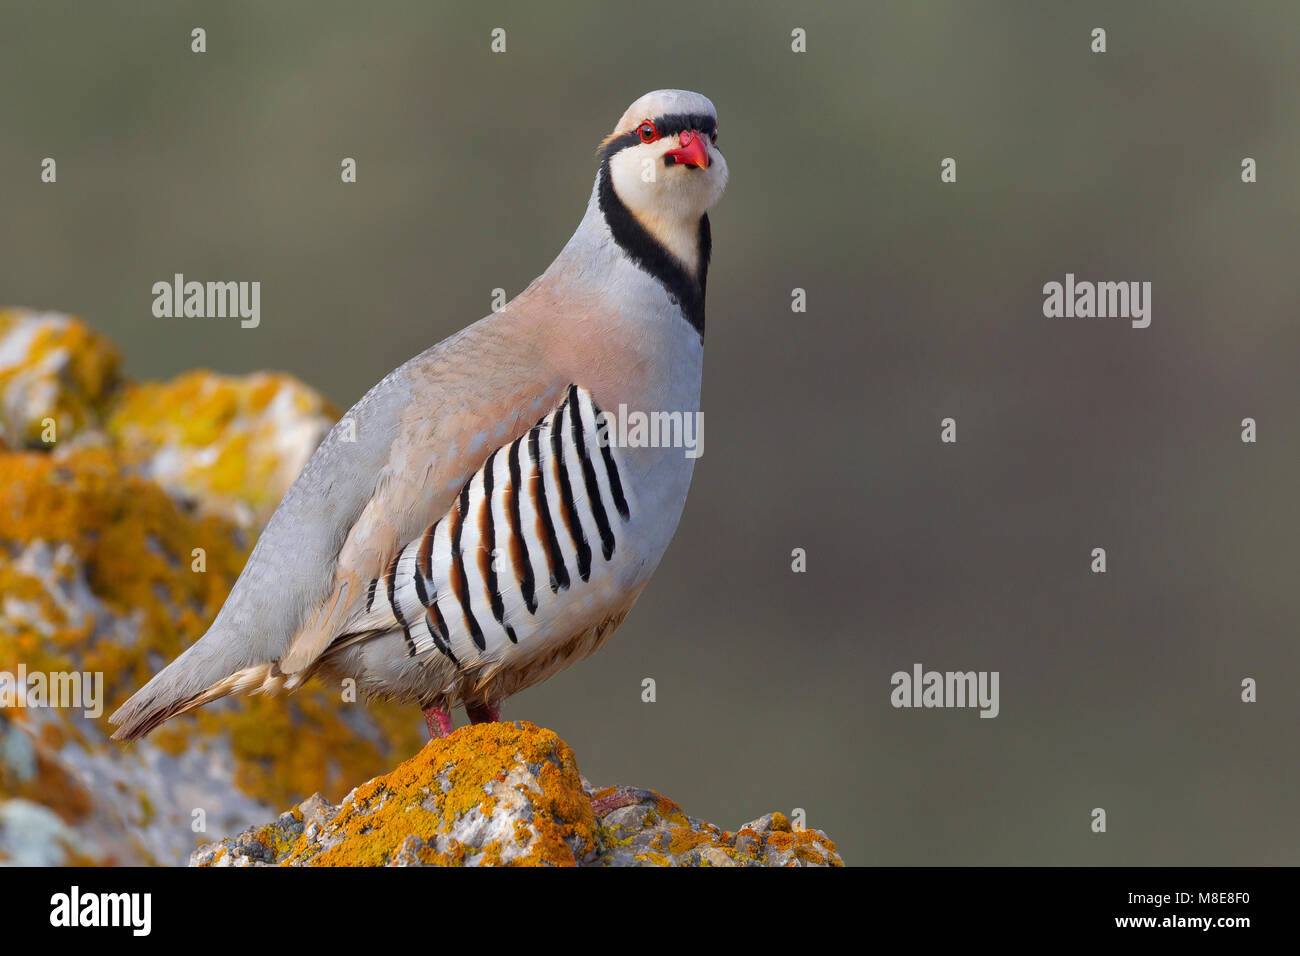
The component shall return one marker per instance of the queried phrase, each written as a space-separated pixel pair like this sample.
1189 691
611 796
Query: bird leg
484 713
438 719
620 797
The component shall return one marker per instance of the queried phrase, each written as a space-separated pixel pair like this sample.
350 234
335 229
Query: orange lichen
125 534
425 809
133 544
669 810
805 845
274 838
684 839
522 834
782 841
135 547
457 776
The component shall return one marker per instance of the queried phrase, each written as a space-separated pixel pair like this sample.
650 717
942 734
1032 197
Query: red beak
693 151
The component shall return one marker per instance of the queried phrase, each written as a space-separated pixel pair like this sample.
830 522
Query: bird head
665 166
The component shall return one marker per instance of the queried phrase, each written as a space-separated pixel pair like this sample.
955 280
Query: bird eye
713 137
647 132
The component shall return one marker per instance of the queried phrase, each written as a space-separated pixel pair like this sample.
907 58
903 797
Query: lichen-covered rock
507 794
231 445
49 815
53 369
106 573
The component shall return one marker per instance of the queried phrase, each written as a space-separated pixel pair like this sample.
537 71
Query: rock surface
232 446
126 512
52 368
507 794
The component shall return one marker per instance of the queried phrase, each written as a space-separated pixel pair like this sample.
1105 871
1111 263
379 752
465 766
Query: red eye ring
647 132
713 137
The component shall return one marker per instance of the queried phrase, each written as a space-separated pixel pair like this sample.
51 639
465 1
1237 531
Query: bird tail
185 684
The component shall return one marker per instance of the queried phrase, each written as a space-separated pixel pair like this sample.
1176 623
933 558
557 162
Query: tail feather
157 701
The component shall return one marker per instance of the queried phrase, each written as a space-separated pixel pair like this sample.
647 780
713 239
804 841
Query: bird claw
483 713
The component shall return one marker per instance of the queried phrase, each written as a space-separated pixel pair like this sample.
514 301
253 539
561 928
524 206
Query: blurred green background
924 301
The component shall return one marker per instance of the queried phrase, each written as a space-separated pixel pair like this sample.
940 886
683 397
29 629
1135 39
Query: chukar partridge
468 528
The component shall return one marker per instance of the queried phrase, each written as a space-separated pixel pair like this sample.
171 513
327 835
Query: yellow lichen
66 372
450 778
134 544
226 441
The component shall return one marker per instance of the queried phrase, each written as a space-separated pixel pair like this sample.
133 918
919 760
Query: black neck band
650 254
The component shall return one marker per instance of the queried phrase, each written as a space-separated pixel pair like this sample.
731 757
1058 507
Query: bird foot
484 713
438 719
620 797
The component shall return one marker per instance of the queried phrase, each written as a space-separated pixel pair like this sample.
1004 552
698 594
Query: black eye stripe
668 125
675 123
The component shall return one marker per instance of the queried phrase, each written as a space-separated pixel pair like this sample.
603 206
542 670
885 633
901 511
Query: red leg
483 713
438 719
621 797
